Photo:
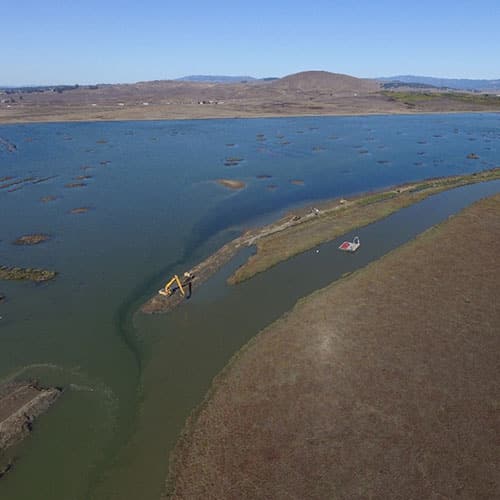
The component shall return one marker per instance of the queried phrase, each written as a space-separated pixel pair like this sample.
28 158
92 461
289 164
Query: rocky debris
20 404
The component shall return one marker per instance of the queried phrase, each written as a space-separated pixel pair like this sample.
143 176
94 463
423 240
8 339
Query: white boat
350 246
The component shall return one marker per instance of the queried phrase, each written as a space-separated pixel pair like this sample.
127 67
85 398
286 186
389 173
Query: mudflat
385 384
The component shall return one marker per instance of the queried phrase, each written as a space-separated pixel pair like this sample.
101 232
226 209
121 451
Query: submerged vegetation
11 183
46 199
232 161
79 210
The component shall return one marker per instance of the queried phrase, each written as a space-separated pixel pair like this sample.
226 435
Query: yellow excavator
169 289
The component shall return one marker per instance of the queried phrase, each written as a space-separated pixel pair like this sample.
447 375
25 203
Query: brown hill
308 81
305 93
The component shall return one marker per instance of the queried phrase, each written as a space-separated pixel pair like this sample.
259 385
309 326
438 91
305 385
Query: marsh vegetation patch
31 239
26 274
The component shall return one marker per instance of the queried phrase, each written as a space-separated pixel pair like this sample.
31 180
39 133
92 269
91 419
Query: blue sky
90 41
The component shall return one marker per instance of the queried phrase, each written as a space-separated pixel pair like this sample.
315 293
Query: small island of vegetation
232 161
26 274
31 239
231 183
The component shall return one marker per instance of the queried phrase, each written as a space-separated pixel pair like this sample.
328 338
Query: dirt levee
382 385
308 227
20 404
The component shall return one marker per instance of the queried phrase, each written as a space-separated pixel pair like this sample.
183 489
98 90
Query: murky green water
131 380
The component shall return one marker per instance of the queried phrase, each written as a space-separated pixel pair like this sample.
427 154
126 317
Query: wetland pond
130 379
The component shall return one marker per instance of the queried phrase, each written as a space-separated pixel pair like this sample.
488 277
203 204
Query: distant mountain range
410 80
393 81
450 83
309 80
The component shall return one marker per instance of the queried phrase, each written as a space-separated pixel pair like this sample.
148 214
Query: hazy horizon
213 75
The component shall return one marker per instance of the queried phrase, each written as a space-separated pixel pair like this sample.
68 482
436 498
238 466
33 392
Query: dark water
156 210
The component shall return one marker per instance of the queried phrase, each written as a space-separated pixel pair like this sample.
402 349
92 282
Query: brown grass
382 385
309 93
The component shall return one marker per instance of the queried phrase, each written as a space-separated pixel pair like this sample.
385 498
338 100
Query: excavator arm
168 289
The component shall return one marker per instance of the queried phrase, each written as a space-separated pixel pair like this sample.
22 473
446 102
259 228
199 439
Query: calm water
155 209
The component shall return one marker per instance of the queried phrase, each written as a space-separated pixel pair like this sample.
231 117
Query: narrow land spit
305 228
